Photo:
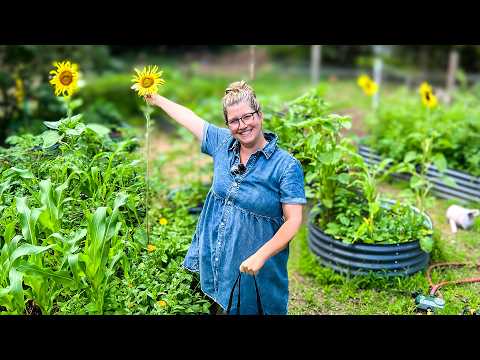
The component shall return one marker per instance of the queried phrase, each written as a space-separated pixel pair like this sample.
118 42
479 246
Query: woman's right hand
152 99
184 116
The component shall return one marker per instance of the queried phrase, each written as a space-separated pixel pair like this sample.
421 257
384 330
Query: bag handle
259 301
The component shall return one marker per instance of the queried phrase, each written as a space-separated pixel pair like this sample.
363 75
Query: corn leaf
28 220
28 249
61 277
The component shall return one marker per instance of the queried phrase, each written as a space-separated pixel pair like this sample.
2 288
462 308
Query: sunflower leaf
50 138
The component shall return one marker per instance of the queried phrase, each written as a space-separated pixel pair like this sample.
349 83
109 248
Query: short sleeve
212 137
292 189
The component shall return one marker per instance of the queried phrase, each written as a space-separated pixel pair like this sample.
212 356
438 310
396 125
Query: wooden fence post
452 70
252 62
377 73
315 63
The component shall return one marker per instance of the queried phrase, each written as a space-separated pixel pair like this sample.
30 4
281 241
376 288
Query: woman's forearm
184 116
281 239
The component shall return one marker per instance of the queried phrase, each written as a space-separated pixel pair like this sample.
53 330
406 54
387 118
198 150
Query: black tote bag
259 301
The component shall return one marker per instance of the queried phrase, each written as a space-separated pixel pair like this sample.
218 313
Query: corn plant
53 202
101 252
28 220
12 269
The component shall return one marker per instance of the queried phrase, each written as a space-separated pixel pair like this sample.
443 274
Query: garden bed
362 258
467 187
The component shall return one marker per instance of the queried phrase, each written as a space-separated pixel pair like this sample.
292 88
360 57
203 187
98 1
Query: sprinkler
429 303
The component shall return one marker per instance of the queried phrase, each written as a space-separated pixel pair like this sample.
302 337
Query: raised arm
184 116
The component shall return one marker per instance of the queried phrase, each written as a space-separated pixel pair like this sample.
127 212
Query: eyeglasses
246 119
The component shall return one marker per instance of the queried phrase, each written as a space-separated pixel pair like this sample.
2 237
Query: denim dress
240 214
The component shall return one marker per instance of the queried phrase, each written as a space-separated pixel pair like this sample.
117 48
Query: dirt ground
357 124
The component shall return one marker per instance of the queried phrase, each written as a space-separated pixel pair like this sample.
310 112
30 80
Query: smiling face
247 132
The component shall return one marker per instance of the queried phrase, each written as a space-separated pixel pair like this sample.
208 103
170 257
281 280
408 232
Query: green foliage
401 126
31 64
72 203
339 180
46 202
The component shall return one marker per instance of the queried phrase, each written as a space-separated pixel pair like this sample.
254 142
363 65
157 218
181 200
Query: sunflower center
147 82
66 78
427 96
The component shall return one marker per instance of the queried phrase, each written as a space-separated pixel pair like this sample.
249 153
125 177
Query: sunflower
163 221
369 86
65 78
147 80
162 303
429 100
424 87
362 80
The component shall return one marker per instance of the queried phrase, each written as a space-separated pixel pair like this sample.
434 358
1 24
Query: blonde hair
238 92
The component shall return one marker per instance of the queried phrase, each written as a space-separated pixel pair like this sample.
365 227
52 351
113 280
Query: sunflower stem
69 108
147 174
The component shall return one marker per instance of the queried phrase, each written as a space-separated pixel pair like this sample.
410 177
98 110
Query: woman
253 209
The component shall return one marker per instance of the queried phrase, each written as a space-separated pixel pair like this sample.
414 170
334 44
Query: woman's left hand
252 265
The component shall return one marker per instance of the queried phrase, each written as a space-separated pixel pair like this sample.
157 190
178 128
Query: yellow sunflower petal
424 87
65 78
147 80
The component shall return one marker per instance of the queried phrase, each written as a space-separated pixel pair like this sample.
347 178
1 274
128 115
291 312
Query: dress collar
267 150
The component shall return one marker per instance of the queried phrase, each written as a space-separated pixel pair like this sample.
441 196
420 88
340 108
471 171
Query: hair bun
237 87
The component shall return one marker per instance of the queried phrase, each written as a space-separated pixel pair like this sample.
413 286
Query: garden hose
434 287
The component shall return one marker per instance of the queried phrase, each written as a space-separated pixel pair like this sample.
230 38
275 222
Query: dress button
216 259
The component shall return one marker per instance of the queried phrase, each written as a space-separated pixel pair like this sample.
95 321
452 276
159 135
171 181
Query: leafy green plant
402 125
340 182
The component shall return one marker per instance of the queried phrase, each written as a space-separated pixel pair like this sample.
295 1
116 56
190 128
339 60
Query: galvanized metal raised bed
388 260
467 187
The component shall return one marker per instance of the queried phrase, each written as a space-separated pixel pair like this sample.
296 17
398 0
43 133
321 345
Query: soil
32 308
358 128
161 143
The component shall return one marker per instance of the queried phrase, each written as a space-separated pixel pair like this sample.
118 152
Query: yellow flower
162 303
163 221
147 80
369 86
429 100
19 91
151 247
65 78
362 79
424 87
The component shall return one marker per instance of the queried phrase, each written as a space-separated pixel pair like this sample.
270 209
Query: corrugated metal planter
362 259
467 187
